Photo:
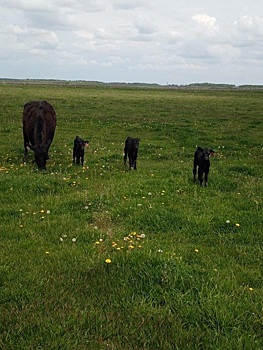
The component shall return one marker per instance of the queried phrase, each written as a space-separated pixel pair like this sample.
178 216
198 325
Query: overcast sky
157 41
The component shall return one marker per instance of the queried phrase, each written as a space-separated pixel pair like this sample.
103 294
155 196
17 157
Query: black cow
131 150
39 125
201 159
78 150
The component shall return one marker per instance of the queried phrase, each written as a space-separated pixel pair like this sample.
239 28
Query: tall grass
101 257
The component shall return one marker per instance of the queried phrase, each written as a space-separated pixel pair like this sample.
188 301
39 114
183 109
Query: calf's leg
130 163
206 177
200 175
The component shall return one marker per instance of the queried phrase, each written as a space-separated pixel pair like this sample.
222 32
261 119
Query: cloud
33 38
145 25
55 5
128 4
250 26
206 22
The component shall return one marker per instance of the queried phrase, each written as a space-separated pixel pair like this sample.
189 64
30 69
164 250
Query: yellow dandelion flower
196 250
237 225
251 289
108 261
97 242
131 246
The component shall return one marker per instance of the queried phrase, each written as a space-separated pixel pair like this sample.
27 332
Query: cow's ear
200 149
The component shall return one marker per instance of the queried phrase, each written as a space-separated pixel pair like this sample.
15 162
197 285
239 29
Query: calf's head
80 144
205 153
135 145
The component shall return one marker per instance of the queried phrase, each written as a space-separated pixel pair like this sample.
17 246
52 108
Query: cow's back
39 121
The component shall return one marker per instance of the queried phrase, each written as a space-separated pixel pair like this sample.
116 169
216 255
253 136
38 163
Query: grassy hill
101 257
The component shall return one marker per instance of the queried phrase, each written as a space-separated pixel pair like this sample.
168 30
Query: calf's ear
212 152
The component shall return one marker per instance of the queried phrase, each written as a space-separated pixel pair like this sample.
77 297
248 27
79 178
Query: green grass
186 262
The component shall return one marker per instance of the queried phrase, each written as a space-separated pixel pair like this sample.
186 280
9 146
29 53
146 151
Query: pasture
103 258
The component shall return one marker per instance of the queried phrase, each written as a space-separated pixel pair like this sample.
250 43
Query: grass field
104 258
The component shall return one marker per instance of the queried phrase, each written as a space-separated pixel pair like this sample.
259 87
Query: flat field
104 258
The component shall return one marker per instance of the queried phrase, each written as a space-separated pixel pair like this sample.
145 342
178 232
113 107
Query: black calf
201 159
131 150
78 150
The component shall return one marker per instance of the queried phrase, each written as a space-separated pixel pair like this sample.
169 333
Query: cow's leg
25 150
26 142
78 159
135 165
82 160
194 171
124 156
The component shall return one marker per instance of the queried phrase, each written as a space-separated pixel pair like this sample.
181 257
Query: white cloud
145 25
205 20
250 26
55 5
207 24
128 4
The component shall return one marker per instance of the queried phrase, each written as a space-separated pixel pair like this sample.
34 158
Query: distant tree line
134 84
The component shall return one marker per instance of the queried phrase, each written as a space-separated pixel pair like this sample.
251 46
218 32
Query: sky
159 41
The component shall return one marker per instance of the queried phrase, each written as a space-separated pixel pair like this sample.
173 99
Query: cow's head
41 155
